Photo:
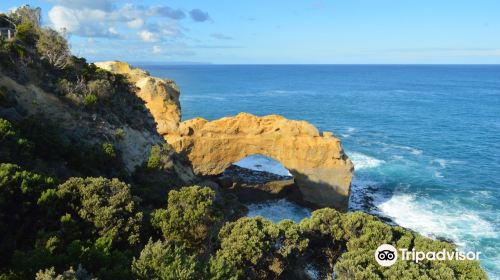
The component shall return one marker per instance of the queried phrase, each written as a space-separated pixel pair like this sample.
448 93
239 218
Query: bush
106 205
154 160
90 100
255 248
13 147
19 218
53 48
109 150
167 261
192 216
27 34
70 274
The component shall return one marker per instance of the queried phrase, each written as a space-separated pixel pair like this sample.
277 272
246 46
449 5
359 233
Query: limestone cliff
161 96
317 161
132 134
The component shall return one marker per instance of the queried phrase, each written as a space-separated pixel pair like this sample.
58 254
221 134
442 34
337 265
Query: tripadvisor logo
387 255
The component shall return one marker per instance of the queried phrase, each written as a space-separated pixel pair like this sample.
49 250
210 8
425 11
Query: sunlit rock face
160 96
317 161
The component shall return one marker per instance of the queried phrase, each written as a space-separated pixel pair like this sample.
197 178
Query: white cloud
84 22
136 23
157 49
149 36
64 18
159 25
117 22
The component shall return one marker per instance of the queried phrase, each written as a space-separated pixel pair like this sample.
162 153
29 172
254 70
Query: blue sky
278 31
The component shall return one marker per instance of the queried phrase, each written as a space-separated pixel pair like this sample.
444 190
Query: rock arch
321 170
317 161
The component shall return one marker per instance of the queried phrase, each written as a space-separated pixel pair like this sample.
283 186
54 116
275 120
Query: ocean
424 139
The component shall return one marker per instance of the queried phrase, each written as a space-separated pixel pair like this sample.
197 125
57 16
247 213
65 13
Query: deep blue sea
425 140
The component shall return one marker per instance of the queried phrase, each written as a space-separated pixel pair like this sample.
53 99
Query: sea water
424 139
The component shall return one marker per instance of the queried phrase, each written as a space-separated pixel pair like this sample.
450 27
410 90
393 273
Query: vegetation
68 212
97 226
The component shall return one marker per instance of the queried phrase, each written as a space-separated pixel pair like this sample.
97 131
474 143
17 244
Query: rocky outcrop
161 97
317 161
133 141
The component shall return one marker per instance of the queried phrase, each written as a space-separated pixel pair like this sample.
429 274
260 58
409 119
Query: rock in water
317 161
321 169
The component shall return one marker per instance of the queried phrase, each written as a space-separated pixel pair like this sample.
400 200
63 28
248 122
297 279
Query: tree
70 274
166 261
19 218
53 48
193 216
105 204
27 14
255 248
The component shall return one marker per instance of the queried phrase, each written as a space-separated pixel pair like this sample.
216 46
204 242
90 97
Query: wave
277 210
412 150
280 92
362 161
263 163
444 162
434 219
195 97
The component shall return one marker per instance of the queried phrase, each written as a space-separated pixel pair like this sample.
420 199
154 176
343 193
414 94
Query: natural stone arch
321 170
317 161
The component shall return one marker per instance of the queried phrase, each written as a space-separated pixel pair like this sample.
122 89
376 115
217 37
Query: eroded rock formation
161 96
317 161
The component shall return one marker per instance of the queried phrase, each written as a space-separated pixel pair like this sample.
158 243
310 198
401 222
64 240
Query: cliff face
320 168
317 161
161 96
131 135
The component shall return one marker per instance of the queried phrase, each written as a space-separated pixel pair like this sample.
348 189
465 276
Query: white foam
263 163
438 174
277 210
282 93
362 161
432 218
195 97
412 150
443 163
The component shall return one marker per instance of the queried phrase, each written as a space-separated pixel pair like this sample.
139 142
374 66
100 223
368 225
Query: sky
278 31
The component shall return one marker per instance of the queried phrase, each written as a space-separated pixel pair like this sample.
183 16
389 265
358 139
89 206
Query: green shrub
27 33
109 150
255 248
154 160
158 156
192 216
90 100
106 205
19 218
167 261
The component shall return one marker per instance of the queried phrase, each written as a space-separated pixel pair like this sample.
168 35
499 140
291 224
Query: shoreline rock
317 161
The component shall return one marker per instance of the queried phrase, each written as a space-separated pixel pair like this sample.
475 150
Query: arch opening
257 178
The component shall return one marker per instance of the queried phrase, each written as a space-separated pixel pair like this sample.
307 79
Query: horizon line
150 63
